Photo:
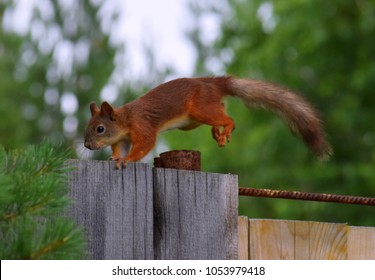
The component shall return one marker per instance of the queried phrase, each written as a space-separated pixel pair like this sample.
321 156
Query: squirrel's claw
121 161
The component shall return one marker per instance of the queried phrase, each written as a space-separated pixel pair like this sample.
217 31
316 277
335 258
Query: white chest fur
179 122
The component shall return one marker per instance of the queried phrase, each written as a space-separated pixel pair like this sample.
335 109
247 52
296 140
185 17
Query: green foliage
33 199
35 77
326 51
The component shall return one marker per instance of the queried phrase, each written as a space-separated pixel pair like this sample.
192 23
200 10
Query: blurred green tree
326 51
55 57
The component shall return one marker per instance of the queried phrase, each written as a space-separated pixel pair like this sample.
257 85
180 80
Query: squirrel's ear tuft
107 110
94 109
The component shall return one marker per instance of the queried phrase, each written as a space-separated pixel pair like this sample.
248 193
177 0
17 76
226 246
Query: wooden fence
300 240
145 213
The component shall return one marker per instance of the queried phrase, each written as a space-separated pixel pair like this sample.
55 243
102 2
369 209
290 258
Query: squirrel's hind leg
215 116
224 136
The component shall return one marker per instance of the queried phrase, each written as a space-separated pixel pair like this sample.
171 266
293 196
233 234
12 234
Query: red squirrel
187 103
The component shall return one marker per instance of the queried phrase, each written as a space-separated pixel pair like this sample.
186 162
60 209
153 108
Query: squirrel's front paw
121 161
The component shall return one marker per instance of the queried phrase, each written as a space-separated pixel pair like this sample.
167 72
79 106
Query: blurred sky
160 26
163 26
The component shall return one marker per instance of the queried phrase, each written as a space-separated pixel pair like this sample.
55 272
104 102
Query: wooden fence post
195 215
141 213
114 207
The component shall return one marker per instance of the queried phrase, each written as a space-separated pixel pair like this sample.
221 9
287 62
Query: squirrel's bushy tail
301 117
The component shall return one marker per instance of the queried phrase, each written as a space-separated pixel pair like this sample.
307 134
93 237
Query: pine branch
50 248
32 197
30 210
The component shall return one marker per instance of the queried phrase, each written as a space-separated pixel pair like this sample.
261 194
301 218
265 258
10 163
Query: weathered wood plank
195 215
114 207
166 233
229 186
361 243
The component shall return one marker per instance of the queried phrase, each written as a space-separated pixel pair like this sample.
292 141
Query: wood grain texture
271 239
302 240
282 239
243 238
361 243
328 241
115 207
195 215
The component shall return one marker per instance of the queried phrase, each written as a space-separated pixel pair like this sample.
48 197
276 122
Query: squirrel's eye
100 129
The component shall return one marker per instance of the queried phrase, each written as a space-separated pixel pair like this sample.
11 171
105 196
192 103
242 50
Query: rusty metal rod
346 199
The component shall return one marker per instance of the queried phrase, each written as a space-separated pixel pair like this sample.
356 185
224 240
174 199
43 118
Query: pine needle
33 196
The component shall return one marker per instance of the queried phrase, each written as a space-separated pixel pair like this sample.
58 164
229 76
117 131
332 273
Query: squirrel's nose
88 145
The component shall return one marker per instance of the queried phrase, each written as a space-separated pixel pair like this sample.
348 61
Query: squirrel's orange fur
189 102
